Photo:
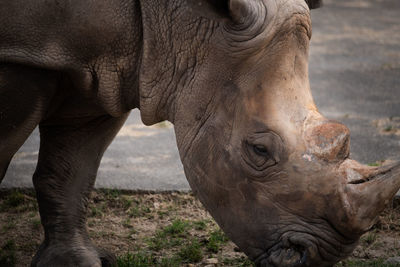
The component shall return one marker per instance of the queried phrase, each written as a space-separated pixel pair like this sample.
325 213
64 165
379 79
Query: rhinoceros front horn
367 191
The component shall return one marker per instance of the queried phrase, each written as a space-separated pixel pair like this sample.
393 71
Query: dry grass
170 229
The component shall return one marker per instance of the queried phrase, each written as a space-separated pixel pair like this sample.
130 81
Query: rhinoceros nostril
304 257
329 141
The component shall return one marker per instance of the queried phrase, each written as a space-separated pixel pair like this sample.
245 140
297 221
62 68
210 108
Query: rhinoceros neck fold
173 40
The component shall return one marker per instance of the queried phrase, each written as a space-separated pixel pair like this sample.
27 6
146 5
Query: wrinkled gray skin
233 78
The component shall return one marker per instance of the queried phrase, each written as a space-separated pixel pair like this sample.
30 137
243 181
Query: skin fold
232 76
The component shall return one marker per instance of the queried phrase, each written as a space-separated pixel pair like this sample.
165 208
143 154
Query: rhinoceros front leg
25 95
70 154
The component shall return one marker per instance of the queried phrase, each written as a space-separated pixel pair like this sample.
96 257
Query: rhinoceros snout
295 256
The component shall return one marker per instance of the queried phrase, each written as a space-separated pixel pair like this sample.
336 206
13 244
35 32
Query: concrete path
140 158
355 78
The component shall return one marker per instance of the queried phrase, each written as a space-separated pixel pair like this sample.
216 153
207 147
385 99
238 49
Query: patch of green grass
200 225
116 199
388 128
239 262
126 202
170 236
377 163
365 263
91 223
127 224
138 211
131 234
170 262
13 200
8 226
177 228
162 213
369 238
28 246
102 234
111 193
191 252
171 208
17 201
7 254
139 259
159 241
146 259
215 241
36 223
95 212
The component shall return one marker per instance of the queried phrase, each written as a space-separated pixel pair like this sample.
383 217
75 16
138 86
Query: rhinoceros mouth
306 248
285 256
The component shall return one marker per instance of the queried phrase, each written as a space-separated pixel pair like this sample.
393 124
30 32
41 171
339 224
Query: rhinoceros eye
260 156
261 150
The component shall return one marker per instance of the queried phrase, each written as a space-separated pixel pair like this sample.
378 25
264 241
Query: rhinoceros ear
243 10
314 3
213 9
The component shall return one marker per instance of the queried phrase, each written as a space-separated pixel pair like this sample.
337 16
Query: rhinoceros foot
72 254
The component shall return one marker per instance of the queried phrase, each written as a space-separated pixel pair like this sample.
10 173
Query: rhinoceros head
273 172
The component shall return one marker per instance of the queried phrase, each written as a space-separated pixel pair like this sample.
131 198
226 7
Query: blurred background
355 79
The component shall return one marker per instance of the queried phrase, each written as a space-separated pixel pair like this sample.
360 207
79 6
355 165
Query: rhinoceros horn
367 192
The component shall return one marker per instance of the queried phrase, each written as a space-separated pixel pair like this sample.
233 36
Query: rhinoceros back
95 38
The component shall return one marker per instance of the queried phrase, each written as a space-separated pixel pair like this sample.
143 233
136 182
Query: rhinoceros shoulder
97 41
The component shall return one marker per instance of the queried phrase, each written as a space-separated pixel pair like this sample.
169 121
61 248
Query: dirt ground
169 229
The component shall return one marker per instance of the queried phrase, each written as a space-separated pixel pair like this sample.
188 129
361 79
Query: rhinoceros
231 75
